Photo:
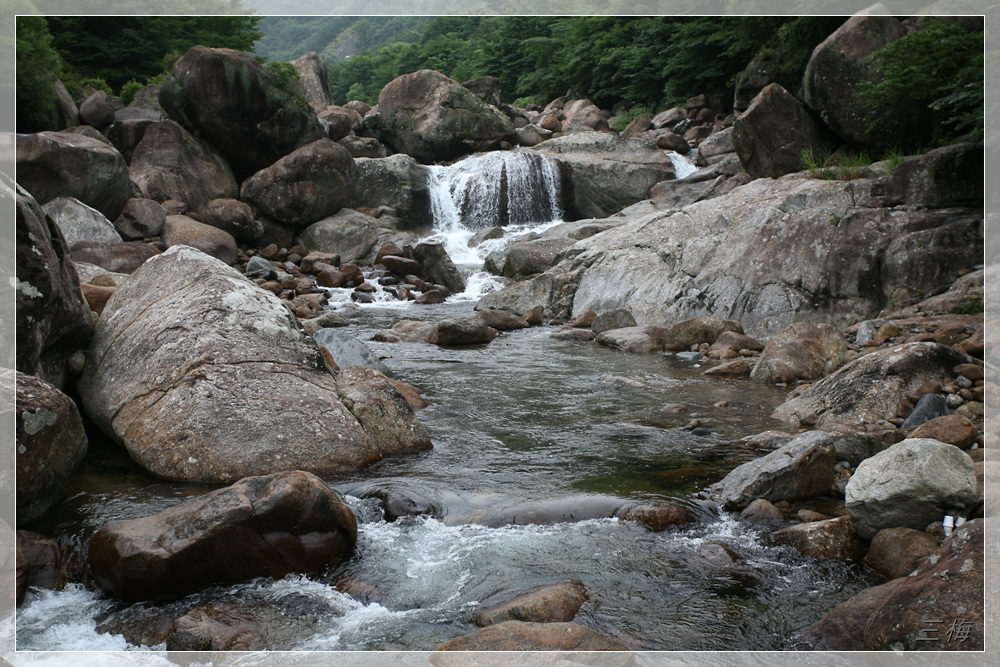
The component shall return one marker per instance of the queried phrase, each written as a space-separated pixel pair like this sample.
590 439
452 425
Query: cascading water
518 191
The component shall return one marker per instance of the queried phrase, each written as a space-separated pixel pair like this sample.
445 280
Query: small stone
762 510
953 400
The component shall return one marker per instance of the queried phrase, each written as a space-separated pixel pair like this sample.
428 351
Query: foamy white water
683 166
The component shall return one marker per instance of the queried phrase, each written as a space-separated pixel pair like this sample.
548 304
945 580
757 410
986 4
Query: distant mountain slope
334 37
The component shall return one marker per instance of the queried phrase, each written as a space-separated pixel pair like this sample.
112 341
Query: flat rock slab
267 526
521 636
871 387
203 376
551 603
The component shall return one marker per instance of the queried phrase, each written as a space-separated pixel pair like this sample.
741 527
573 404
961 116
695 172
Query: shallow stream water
524 427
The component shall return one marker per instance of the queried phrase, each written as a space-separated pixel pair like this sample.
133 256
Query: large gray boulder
50 445
53 319
399 182
803 468
69 164
836 71
313 77
264 526
141 218
438 266
172 163
524 258
79 222
772 133
203 376
871 387
97 110
233 217
822 252
912 484
351 234
607 173
348 351
432 117
306 185
228 98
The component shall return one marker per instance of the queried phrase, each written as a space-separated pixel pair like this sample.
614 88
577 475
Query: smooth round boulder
141 219
203 376
348 351
172 163
233 217
228 98
264 526
307 185
432 117
182 230
97 110
911 484
68 164
50 445
79 222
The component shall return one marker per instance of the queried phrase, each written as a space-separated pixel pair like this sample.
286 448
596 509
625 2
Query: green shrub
75 84
894 157
622 120
852 165
817 162
940 67
37 65
286 80
129 90
969 307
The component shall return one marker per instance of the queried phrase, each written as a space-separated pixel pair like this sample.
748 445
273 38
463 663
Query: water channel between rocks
526 430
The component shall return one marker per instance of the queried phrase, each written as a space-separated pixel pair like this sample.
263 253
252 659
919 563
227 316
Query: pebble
963 382
953 400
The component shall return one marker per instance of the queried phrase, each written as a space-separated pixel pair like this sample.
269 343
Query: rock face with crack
203 376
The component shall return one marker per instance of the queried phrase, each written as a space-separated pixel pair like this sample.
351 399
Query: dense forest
643 63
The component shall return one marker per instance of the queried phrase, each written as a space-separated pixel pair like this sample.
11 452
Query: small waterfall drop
683 167
516 190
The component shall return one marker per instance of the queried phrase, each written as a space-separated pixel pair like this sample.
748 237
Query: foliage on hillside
940 66
649 60
334 37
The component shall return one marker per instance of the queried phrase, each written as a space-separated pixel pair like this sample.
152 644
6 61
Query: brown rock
501 320
182 230
271 525
330 278
401 266
521 636
947 586
50 442
693 331
97 297
552 603
115 257
584 320
803 351
731 342
411 394
896 552
731 369
51 566
951 429
223 626
762 510
843 629
832 539
430 297
971 371
657 517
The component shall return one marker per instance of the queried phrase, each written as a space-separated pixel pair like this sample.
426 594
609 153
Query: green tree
940 66
38 65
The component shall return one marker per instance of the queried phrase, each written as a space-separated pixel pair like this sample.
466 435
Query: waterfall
497 189
683 166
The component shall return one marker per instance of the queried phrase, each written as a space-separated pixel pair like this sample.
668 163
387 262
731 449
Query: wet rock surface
261 526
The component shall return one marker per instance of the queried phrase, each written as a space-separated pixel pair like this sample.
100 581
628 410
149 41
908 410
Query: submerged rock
522 636
267 526
552 603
